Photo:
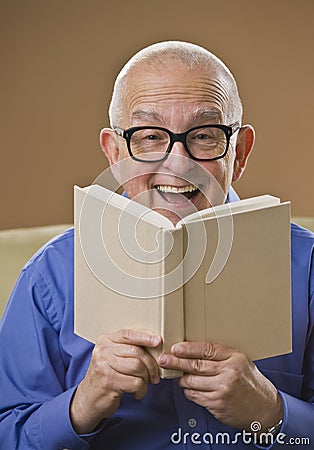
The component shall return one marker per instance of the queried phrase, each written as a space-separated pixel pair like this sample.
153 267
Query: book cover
221 275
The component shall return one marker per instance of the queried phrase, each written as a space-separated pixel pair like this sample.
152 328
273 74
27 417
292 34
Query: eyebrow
198 114
206 113
146 115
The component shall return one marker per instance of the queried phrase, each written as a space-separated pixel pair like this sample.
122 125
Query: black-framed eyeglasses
202 143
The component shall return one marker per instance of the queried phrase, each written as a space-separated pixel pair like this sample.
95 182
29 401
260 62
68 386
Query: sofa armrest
16 248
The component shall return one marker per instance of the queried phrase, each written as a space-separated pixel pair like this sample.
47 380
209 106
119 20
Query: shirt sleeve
299 414
34 403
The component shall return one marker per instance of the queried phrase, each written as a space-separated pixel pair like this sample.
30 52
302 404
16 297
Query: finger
136 337
147 368
202 350
129 366
111 351
206 399
130 384
194 366
210 384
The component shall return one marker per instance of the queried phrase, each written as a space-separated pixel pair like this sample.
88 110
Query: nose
178 161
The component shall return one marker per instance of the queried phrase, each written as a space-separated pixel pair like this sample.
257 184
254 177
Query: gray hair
191 55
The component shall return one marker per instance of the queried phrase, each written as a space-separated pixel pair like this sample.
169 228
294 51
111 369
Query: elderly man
60 391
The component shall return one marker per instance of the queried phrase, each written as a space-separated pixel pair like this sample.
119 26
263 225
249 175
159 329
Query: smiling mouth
177 194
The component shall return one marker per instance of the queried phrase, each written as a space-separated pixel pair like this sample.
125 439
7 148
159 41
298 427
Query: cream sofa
18 245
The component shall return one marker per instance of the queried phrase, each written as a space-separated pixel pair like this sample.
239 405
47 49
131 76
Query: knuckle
126 334
141 392
100 345
137 366
191 394
107 379
236 369
208 350
240 358
225 390
138 384
198 366
189 381
97 354
136 351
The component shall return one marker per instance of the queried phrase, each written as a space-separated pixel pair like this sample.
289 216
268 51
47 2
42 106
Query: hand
226 382
119 364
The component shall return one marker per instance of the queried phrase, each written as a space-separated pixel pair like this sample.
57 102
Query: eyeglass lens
203 143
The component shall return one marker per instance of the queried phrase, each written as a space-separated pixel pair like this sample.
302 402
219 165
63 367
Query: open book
220 275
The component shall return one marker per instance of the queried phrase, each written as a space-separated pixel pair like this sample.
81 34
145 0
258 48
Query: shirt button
192 422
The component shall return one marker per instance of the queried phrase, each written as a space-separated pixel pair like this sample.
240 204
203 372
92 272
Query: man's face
175 98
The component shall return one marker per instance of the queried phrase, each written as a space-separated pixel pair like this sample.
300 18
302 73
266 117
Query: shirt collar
232 196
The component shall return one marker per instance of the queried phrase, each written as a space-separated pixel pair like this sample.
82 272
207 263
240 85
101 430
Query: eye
203 136
152 137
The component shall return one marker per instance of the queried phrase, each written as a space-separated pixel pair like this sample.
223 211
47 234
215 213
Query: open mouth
177 194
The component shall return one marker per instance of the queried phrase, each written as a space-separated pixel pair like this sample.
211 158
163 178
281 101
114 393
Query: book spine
172 308
193 292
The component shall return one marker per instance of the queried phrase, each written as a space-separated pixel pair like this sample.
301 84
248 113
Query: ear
244 145
109 145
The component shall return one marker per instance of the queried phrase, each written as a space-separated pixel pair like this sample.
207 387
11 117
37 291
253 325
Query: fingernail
176 348
155 340
162 359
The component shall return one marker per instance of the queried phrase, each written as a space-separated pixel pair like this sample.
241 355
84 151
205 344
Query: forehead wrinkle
213 91
196 114
221 91
188 90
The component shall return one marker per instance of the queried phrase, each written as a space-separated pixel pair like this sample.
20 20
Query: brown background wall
58 63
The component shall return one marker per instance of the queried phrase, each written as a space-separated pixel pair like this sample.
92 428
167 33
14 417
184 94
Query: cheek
139 190
224 169
131 172
133 186
136 181
219 170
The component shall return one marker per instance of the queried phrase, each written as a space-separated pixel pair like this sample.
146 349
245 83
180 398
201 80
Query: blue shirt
42 361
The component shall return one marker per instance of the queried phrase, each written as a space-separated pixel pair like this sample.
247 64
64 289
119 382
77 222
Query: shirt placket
192 422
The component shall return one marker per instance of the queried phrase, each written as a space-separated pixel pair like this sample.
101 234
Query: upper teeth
176 190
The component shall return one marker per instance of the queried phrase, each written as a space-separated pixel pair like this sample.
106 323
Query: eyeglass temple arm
235 127
119 131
